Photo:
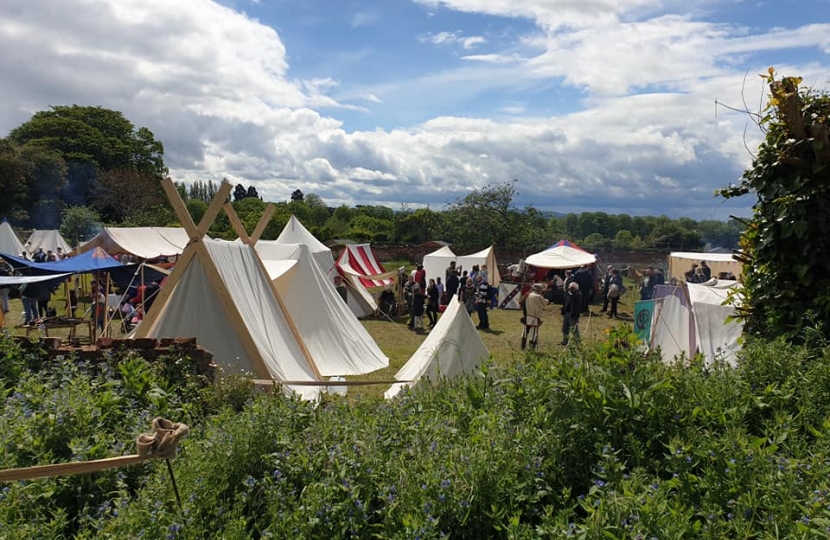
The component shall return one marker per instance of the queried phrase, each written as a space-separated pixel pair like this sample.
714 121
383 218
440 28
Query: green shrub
607 442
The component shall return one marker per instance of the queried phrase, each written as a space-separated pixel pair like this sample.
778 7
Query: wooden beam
60 469
231 311
291 324
263 222
150 319
271 382
179 208
236 223
240 230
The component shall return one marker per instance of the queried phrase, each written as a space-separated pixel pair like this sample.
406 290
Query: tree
252 193
319 211
624 240
13 177
785 249
46 179
196 208
296 195
481 218
596 241
79 223
124 194
239 193
94 134
90 140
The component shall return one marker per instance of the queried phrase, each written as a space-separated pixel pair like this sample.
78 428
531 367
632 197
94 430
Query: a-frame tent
9 242
48 240
360 300
295 232
453 348
219 292
339 344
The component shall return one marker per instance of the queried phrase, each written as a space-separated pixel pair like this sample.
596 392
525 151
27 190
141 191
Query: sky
590 105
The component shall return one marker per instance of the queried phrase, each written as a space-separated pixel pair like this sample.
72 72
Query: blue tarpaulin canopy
96 260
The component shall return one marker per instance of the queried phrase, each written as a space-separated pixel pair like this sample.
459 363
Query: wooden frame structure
196 249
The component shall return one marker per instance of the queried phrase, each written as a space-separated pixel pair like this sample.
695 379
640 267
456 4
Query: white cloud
449 38
213 85
472 41
551 13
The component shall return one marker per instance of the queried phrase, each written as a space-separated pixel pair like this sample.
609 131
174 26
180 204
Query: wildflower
445 484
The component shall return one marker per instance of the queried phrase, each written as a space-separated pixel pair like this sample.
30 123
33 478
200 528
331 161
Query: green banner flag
642 319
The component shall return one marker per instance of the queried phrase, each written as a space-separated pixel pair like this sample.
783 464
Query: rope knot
162 443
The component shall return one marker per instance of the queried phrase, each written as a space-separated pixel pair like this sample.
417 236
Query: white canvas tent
681 262
485 256
225 300
295 233
716 338
48 240
338 343
359 299
220 293
560 256
9 243
141 242
672 326
699 325
451 349
436 263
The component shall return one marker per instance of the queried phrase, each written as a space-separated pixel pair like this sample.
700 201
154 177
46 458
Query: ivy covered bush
595 443
786 246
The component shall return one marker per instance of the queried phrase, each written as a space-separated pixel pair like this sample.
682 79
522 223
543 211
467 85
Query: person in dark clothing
418 304
341 288
570 313
28 295
583 278
432 302
421 277
481 302
451 283
649 282
707 272
605 285
408 295
615 290
387 301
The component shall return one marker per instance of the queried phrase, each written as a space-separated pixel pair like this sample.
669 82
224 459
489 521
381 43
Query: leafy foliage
72 410
79 223
77 156
596 443
786 246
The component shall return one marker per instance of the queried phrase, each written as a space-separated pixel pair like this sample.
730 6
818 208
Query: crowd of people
424 297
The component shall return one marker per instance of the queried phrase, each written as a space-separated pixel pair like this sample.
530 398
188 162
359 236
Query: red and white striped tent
359 261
